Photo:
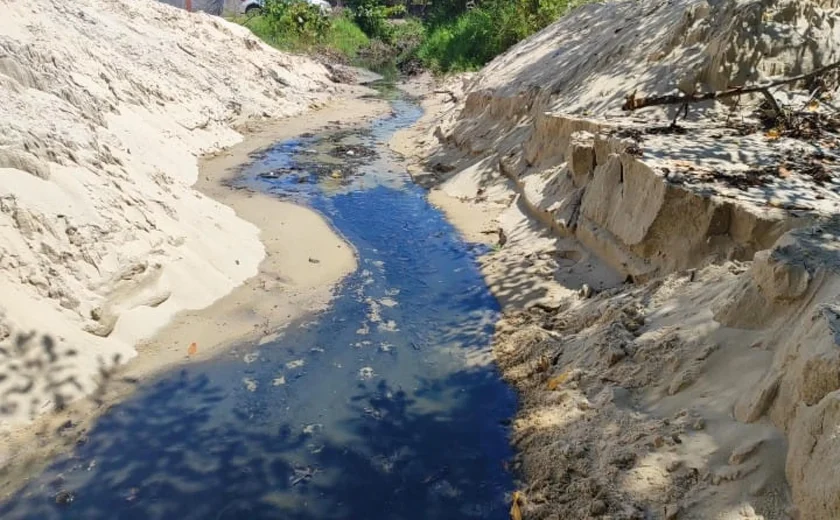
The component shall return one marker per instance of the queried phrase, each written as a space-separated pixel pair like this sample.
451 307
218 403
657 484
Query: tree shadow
188 448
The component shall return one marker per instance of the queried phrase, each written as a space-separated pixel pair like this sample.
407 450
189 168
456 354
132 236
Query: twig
191 53
633 103
771 100
452 95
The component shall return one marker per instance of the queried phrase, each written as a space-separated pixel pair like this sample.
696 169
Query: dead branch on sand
452 97
632 102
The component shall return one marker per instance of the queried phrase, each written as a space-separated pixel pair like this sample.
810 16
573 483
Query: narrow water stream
384 406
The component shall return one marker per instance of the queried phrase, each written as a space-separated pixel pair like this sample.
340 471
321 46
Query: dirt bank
671 293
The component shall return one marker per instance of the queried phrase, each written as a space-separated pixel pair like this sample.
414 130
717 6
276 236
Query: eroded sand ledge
708 387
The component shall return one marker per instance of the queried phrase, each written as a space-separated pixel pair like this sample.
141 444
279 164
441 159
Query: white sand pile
591 59
104 107
709 387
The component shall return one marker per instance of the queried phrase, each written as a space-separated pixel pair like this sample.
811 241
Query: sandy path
286 287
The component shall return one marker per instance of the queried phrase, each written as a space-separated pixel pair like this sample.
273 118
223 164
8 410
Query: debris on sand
353 151
64 497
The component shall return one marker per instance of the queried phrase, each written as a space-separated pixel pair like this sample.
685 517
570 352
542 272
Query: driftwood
635 103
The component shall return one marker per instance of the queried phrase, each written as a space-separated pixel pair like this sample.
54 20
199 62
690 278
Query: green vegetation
451 36
475 36
346 37
298 26
373 17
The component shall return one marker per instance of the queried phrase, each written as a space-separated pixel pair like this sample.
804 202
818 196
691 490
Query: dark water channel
384 406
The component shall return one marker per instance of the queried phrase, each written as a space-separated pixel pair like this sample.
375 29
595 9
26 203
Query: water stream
383 406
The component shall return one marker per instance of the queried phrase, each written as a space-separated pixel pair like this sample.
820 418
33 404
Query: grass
346 37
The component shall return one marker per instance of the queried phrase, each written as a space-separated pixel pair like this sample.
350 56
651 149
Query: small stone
676 177
658 441
699 424
598 507
585 291
614 355
624 460
671 512
743 452
314 260
673 465
64 497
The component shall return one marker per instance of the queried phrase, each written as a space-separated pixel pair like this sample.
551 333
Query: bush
467 43
279 26
372 16
296 19
407 35
478 35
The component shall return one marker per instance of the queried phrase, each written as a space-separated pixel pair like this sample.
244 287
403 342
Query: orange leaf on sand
193 350
515 508
555 382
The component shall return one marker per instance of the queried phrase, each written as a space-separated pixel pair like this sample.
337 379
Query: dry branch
451 95
633 103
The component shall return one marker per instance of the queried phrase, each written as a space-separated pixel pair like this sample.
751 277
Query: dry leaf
515 508
813 105
784 172
773 133
193 350
555 382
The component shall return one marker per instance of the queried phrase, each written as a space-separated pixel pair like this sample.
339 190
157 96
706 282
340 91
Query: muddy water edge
385 405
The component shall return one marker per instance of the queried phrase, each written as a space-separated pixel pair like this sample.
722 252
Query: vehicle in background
253 6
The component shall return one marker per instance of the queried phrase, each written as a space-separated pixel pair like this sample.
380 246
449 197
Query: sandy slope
105 106
286 287
672 327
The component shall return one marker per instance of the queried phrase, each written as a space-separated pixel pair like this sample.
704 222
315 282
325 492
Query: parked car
253 6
